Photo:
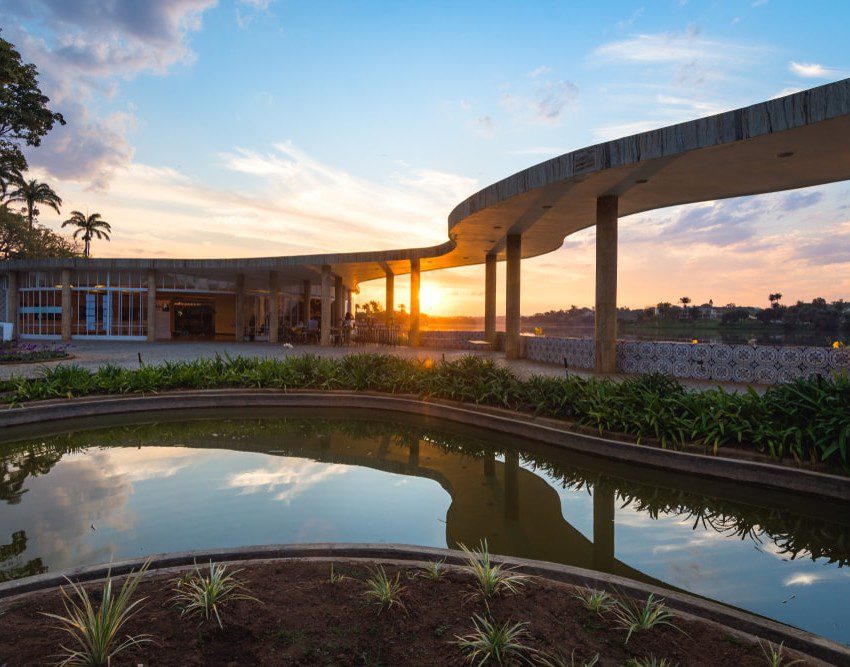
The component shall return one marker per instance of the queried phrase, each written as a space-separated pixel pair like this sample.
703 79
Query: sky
238 128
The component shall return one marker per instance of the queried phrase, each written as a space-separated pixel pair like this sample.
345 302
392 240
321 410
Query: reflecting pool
86 492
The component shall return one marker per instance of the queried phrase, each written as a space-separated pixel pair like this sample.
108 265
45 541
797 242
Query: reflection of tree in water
10 561
794 535
29 460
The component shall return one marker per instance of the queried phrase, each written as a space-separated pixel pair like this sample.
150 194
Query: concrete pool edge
757 627
548 431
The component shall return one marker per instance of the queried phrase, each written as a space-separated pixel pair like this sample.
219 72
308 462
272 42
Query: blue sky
258 127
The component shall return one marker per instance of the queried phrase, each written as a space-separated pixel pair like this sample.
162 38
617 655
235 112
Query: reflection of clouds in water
136 464
84 489
809 578
295 476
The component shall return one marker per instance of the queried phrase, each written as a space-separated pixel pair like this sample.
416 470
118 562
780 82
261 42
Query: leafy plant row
807 420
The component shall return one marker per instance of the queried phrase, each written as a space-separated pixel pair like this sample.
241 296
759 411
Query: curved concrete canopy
790 142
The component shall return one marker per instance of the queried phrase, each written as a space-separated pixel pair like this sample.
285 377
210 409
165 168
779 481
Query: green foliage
775 655
20 240
434 570
24 116
489 642
205 595
596 601
96 632
383 590
633 616
807 420
491 580
650 661
558 659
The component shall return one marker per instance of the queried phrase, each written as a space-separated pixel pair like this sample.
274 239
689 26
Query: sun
431 299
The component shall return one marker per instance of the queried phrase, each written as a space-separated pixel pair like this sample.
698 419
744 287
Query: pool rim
549 431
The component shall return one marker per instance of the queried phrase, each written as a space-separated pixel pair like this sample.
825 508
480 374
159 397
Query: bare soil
303 618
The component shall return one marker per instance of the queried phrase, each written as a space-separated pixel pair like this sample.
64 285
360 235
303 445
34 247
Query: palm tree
30 193
89 227
9 175
685 300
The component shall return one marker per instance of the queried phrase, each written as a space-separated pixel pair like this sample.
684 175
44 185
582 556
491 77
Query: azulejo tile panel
763 364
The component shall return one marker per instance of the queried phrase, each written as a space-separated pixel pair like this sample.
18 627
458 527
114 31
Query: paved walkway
93 354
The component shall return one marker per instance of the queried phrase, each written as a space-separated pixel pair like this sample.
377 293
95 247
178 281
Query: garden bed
17 352
304 616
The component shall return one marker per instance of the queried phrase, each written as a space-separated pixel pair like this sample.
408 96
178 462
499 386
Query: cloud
811 70
625 23
87 49
544 104
794 201
828 248
282 201
543 69
288 479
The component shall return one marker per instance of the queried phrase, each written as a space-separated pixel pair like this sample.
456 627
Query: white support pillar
151 320
12 299
390 298
339 301
327 314
490 298
239 315
413 335
274 306
513 257
606 284
66 304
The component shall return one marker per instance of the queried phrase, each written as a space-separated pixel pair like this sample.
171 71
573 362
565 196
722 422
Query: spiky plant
383 590
650 661
775 656
558 659
206 594
633 616
97 631
491 642
336 577
596 601
434 570
491 580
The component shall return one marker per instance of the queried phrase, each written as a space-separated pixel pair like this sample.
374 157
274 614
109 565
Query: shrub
205 595
96 632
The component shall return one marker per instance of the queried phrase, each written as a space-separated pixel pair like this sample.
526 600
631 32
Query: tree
774 299
89 227
30 194
685 300
20 240
24 115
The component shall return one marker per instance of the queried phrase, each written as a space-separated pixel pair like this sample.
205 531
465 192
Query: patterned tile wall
762 364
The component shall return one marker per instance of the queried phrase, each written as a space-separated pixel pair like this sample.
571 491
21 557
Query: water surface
80 495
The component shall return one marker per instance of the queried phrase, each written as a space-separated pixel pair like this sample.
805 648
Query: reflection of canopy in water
516 510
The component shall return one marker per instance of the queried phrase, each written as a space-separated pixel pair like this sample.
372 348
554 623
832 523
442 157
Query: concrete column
305 305
66 304
151 305
490 298
12 302
339 299
513 252
603 527
606 284
239 315
390 297
327 315
349 305
413 335
274 306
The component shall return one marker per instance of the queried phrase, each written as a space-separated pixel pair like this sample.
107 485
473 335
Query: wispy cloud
286 479
811 70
